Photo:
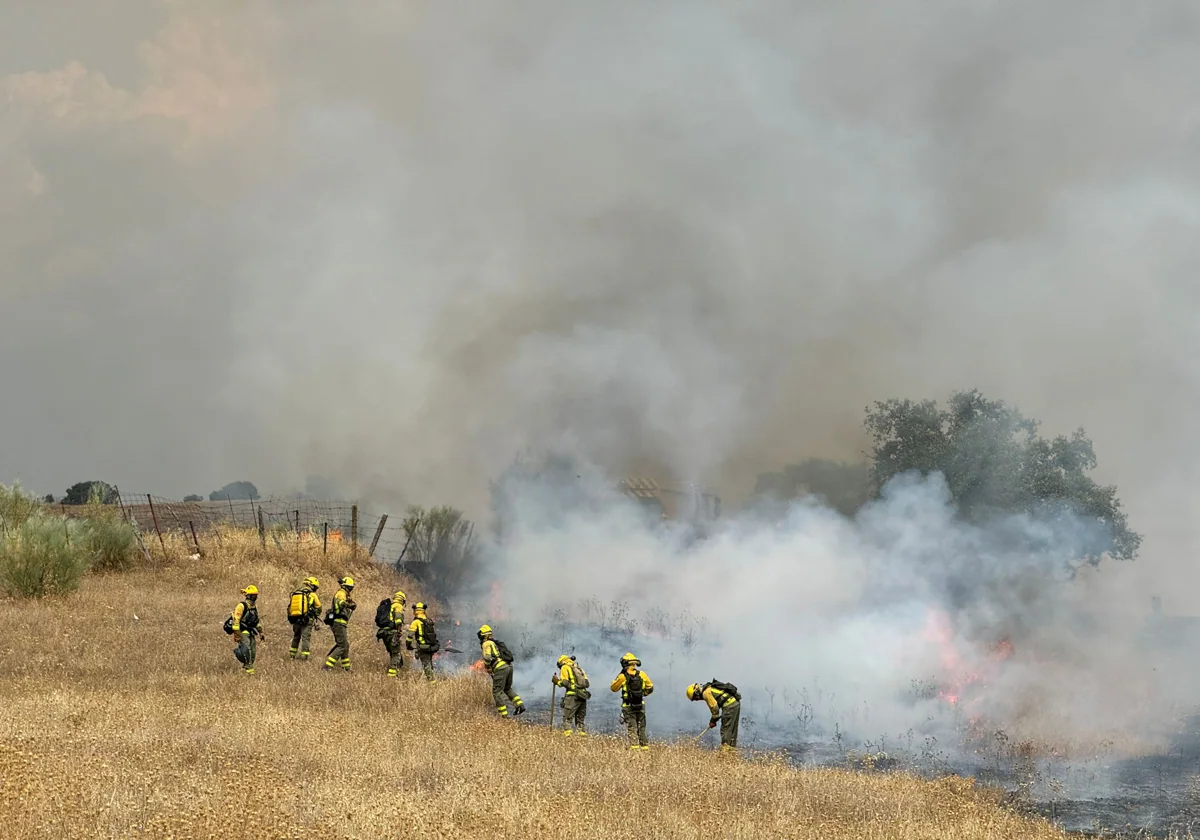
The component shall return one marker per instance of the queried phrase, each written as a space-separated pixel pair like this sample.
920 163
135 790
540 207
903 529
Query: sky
396 243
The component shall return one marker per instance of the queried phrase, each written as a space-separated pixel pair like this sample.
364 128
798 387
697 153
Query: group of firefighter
420 637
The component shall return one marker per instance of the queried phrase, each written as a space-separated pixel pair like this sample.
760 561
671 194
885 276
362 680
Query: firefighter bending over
634 686
304 608
724 704
338 618
422 635
246 628
574 682
497 659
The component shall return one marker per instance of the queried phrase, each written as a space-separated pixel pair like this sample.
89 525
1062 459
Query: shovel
553 689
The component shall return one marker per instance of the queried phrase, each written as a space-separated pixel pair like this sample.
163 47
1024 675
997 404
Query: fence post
297 523
262 529
195 541
121 502
378 534
354 531
325 538
232 514
154 516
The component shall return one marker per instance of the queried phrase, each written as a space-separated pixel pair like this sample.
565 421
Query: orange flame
478 667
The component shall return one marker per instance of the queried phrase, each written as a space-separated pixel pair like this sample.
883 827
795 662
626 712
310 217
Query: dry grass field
146 727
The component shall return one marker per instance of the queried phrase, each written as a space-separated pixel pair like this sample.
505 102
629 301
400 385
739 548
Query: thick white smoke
865 621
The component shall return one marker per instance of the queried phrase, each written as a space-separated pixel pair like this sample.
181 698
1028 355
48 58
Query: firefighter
393 634
422 638
303 624
635 686
575 693
338 618
724 704
246 628
501 670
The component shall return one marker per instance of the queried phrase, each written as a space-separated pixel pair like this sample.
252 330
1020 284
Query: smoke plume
394 244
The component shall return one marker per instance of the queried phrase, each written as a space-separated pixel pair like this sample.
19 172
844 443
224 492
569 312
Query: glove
554 679
712 723
408 645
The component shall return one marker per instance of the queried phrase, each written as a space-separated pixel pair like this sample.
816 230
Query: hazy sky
393 242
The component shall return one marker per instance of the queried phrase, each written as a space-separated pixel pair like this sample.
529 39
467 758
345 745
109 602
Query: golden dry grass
147 728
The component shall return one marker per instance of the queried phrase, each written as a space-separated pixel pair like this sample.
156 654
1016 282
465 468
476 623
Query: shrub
107 539
42 556
16 506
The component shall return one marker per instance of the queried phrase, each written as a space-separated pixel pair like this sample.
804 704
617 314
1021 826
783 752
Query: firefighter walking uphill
635 686
422 635
338 617
304 609
724 704
497 659
574 682
245 627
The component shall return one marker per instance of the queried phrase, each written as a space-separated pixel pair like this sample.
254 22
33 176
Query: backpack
634 690
505 653
429 631
383 613
581 682
228 625
728 688
298 606
581 679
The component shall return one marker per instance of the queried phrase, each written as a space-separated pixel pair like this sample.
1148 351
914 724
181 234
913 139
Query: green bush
42 556
16 506
107 539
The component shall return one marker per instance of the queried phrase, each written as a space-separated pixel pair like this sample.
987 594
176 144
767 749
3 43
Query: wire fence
319 523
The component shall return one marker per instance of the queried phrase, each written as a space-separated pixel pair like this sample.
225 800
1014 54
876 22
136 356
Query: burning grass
127 716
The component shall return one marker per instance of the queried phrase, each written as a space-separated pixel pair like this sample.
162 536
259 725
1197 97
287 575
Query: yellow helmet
419 606
563 660
313 582
400 596
629 659
347 582
250 590
485 630
693 691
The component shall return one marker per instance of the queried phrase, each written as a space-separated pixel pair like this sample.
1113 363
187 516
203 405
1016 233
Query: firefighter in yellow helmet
635 686
338 618
304 610
497 659
724 704
574 683
392 633
246 628
422 637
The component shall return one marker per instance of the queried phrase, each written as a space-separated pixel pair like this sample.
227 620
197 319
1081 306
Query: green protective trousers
248 645
301 639
634 719
574 712
339 654
426 658
394 643
730 715
502 680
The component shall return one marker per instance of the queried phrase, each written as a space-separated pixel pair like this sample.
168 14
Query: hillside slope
117 727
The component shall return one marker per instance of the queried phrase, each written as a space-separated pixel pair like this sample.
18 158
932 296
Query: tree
237 490
192 497
842 486
440 551
995 464
82 492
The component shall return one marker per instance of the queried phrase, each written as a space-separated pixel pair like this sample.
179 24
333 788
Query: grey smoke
394 245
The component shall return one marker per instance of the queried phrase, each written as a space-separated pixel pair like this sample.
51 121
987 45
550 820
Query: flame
958 677
478 667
